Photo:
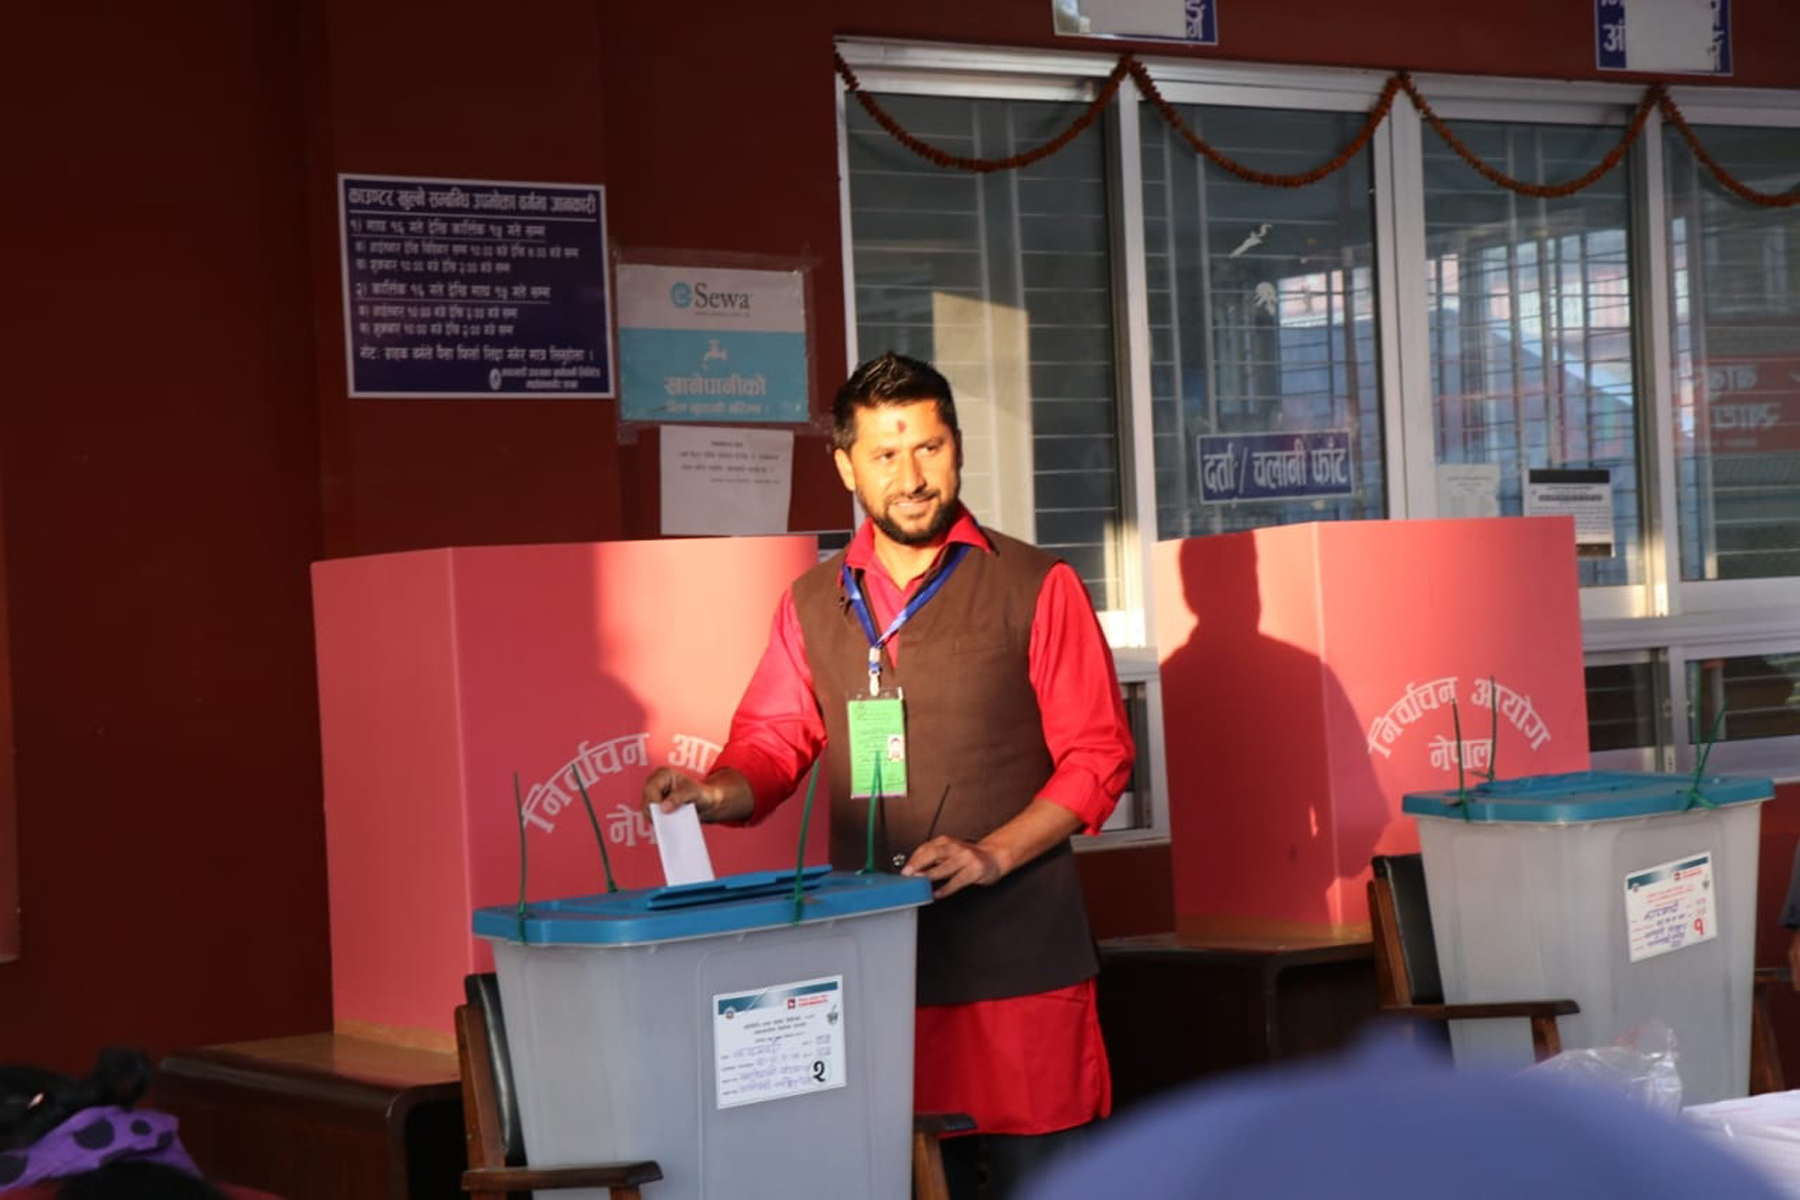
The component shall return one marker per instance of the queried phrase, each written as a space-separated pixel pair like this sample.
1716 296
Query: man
968 666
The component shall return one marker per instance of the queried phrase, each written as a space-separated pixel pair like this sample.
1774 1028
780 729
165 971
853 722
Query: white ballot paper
684 855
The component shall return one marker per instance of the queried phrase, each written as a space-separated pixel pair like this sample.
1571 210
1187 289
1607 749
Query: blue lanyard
918 601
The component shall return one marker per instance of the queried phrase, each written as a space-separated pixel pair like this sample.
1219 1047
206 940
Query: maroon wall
160 446
176 444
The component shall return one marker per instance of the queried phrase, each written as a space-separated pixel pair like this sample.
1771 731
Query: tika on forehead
902 425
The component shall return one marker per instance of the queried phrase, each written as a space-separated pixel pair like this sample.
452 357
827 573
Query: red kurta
1023 1064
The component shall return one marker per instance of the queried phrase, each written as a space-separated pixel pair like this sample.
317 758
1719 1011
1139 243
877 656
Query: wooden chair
1765 1058
1406 964
496 1141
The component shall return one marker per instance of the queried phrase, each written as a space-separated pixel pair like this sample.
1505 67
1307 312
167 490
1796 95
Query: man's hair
889 379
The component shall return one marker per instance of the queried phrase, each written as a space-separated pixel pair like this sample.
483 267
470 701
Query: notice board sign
470 287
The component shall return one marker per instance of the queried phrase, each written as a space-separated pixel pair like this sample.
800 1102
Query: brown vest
975 758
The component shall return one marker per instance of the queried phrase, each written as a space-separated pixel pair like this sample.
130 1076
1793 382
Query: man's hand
952 865
722 796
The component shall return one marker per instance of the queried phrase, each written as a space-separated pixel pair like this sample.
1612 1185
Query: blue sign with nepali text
464 287
1690 37
1274 466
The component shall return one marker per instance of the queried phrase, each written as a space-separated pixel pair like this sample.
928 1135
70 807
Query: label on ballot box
1669 906
778 1042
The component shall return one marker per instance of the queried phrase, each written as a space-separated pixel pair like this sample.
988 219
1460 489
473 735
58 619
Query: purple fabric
92 1138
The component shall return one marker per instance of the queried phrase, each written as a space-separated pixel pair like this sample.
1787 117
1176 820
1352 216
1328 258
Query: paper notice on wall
1585 495
786 1040
726 481
1669 907
1468 489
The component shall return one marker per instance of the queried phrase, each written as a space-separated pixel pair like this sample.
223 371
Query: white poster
1669 906
786 1040
1585 495
1468 489
726 481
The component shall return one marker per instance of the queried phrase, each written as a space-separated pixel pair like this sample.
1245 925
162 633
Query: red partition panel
442 673
1308 678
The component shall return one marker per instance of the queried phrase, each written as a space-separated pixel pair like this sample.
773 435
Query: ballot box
1632 894
758 1047
1314 674
468 696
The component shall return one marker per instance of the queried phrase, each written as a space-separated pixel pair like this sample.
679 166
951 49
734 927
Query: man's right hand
722 796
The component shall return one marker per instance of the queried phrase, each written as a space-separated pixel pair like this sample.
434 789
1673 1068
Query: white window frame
1673 621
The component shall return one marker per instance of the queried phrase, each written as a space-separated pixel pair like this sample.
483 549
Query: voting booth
444 675
1632 894
757 1044
1314 674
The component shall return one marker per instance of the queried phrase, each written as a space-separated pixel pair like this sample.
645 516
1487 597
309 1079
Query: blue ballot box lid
733 904
1582 796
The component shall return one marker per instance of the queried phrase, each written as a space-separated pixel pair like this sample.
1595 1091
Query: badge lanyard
919 599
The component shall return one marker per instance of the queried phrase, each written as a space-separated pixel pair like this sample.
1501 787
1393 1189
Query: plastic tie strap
605 862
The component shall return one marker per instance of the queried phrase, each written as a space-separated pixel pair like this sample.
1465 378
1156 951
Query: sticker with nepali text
786 1040
1670 906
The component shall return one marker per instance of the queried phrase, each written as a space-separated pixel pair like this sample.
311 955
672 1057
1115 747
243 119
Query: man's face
905 468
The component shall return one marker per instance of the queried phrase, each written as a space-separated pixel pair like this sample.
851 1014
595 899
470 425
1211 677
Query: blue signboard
1656 45
1275 466
463 287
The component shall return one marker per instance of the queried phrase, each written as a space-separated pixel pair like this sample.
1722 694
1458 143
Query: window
1262 311
1121 315
1735 289
1530 320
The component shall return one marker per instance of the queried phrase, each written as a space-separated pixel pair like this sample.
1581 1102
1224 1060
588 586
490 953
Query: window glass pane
1265 403
1760 695
1736 321
1003 281
1134 808
1624 704
1530 320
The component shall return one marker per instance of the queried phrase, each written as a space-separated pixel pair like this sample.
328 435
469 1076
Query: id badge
877 744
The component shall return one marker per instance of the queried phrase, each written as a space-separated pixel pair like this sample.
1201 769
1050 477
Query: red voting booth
1313 674
442 673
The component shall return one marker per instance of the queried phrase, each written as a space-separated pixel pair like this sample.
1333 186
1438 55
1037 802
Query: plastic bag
1639 1066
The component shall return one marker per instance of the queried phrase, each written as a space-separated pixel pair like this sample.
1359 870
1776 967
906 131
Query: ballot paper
679 842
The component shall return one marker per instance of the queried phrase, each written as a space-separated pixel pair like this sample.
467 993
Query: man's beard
937 527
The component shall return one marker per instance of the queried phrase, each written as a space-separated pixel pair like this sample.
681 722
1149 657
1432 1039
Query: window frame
1671 620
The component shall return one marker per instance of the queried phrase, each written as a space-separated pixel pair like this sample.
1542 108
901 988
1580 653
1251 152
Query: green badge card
877 746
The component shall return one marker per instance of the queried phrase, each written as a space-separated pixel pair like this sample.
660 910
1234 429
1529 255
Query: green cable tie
812 781
1462 791
605 862
874 800
1694 795
519 806
1493 728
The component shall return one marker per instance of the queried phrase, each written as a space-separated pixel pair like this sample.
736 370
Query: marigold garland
1655 96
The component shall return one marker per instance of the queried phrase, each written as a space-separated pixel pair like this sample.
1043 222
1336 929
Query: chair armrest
595 1175
1480 1010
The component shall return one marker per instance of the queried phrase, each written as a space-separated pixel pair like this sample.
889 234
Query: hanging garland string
1787 199
982 166
1541 190
1140 75
1656 96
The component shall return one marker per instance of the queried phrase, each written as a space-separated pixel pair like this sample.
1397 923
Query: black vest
975 758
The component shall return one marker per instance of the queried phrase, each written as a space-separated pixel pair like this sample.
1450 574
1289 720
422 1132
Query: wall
176 445
160 449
